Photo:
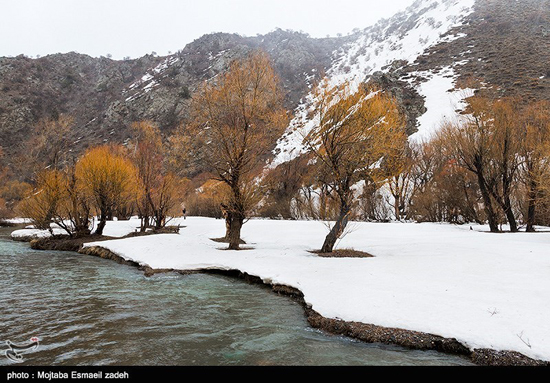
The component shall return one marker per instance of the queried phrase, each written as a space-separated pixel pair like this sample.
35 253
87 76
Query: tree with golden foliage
165 198
399 166
58 199
147 157
443 190
237 117
108 178
506 162
486 142
157 190
50 143
535 152
76 205
42 204
206 200
12 191
186 156
544 186
354 132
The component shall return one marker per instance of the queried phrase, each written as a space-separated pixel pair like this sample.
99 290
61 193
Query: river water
90 311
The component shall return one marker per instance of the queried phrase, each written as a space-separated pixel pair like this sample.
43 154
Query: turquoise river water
90 311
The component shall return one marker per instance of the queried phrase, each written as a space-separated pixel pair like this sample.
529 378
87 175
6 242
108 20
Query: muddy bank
67 243
361 331
4 223
418 340
343 253
106 254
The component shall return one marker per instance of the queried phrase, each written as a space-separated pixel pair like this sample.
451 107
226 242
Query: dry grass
343 253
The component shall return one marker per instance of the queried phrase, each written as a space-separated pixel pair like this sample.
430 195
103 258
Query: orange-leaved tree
354 131
76 204
157 189
42 204
108 178
50 143
236 117
535 154
206 200
486 142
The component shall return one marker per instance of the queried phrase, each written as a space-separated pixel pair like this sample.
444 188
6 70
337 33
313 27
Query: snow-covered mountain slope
402 38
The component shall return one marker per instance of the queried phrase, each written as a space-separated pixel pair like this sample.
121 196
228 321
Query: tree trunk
144 223
82 228
101 224
228 218
506 206
336 230
397 210
472 212
487 204
228 221
235 232
531 209
159 222
510 215
531 217
507 176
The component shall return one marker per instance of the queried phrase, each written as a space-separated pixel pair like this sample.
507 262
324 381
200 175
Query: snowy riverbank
486 290
115 229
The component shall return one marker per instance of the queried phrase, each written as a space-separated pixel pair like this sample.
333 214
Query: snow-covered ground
486 290
17 221
30 232
112 229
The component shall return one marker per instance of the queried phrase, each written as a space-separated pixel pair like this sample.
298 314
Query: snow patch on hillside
442 101
376 48
404 37
147 82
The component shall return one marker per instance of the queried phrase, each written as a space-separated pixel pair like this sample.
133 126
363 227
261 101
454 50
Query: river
90 311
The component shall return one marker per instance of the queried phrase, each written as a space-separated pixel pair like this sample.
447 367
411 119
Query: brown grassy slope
507 47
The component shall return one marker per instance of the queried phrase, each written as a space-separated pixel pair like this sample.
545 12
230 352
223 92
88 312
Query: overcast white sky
136 27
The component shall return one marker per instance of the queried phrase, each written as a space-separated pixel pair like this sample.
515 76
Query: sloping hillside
106 96
419 55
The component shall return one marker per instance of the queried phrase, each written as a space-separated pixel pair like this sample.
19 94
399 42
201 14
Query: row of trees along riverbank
490 165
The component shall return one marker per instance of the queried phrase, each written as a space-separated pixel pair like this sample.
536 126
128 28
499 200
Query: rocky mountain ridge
419 54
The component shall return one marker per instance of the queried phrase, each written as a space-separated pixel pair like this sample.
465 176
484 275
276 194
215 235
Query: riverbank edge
368 333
